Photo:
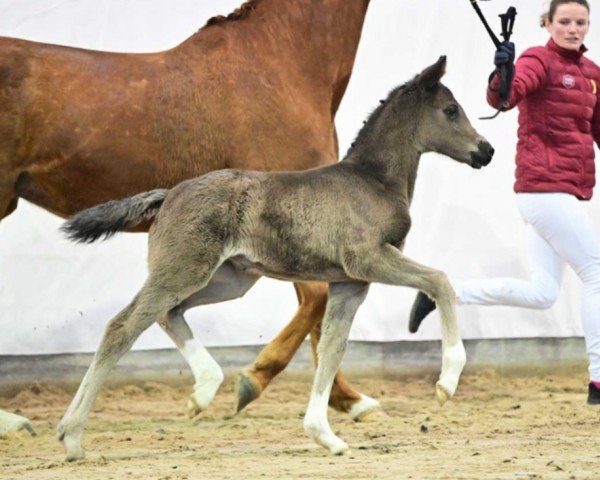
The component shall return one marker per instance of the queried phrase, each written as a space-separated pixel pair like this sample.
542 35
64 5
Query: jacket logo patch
568 81
594 87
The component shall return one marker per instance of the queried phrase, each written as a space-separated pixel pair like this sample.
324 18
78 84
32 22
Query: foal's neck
389 155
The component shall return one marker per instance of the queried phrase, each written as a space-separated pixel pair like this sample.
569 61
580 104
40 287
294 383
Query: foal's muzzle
483 156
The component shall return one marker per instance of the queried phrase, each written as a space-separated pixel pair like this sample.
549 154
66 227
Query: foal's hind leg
118 338
226 284
9 422
152 303
274 357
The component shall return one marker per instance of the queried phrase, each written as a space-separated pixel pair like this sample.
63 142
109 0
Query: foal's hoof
72 445
11 423
372 416
442 394
246 390
195 405
340 448
27 427
331 442
204 393
192 407
75 455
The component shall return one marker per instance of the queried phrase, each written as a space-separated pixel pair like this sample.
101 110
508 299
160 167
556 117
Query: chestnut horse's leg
274 357
9 422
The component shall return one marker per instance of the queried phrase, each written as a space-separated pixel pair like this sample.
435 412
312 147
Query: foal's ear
429 78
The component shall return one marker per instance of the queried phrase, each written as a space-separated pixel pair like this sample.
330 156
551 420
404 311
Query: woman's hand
505 55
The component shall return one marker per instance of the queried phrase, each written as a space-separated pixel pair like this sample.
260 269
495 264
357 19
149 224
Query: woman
557 91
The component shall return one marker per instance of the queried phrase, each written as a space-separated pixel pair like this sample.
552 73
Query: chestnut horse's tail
115 216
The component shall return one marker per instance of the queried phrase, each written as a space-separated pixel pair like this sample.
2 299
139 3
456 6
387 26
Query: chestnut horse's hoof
246 390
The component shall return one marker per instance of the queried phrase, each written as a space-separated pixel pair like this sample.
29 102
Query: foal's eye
451 111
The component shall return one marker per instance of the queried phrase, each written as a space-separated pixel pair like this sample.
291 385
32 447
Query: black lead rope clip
507 71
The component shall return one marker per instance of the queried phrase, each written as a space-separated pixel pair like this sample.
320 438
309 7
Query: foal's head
442 125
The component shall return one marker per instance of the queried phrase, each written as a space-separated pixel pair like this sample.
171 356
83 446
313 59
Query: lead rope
506 71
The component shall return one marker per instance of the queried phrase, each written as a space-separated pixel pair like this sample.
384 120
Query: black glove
505 55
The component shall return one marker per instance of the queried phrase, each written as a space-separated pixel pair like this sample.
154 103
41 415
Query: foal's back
297 226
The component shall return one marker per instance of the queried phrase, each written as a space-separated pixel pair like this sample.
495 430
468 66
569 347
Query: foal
214 236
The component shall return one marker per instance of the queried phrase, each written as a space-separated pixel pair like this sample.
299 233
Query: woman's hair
549 15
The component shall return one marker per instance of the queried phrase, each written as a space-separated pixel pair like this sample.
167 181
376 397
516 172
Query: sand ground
496 427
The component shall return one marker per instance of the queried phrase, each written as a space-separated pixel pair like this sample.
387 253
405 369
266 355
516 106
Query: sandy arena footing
497 427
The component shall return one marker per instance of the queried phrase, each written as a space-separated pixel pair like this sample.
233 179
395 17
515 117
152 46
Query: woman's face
570 25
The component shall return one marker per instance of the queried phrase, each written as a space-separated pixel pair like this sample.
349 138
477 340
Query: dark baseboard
506 356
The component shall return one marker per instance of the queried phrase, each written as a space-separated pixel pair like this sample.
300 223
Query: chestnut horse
257 89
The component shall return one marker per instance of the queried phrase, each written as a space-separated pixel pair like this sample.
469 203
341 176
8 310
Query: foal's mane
368 124
238 14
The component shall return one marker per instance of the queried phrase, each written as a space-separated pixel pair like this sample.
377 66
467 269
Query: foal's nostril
486 148
483 156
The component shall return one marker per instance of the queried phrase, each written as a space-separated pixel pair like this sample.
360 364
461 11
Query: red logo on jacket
568 81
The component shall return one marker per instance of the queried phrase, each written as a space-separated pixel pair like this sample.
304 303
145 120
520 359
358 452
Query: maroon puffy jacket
558 93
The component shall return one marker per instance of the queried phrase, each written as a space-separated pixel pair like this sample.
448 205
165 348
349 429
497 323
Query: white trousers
559 231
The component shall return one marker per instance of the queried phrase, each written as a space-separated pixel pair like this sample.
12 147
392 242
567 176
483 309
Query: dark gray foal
214 236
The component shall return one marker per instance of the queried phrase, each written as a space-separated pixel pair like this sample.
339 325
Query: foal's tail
115 216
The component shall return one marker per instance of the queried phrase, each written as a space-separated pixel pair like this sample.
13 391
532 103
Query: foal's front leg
275 356
344 300
388 265
344 398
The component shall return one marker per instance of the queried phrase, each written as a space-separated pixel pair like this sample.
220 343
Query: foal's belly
304 272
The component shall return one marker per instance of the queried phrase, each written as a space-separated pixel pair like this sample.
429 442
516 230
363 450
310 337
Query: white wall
57 297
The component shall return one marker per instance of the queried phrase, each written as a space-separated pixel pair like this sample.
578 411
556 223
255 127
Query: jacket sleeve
530 75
